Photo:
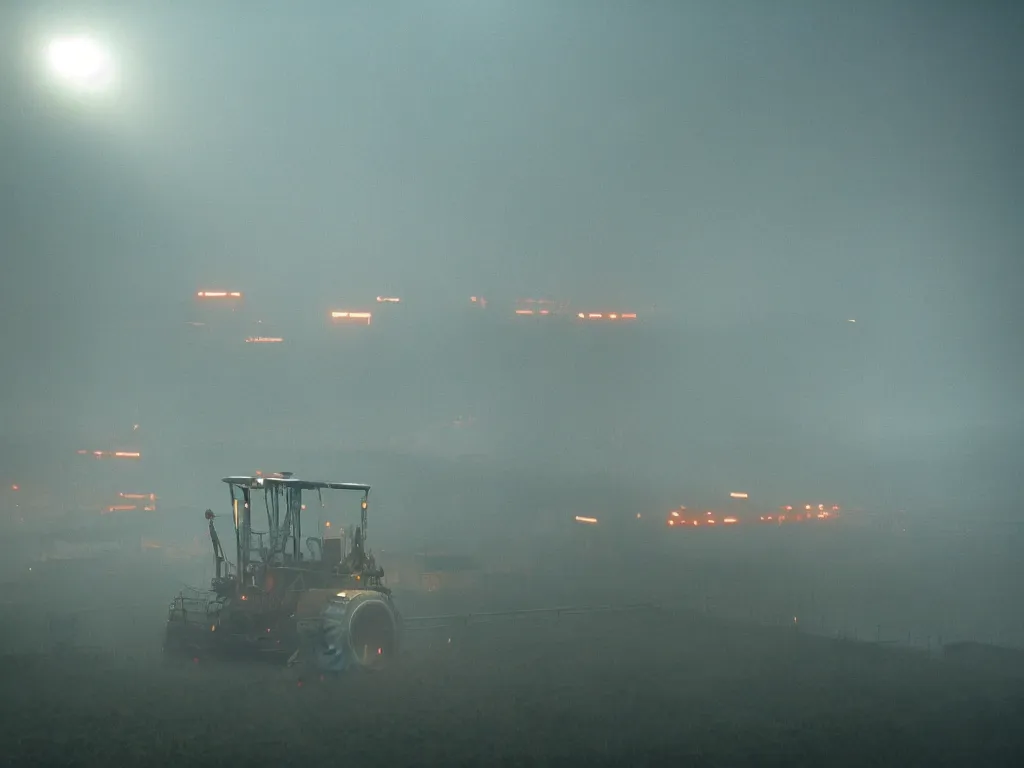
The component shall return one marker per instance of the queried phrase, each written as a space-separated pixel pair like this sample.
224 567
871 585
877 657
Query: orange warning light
111 454
606 315
358 318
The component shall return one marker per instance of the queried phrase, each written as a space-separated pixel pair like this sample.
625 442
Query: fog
812 208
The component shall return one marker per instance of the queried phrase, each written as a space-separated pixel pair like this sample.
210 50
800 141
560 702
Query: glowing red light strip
366 317
606 315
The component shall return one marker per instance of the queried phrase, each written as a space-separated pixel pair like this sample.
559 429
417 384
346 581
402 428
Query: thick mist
759 177
771 404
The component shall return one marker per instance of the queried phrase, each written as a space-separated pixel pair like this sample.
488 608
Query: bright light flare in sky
81 63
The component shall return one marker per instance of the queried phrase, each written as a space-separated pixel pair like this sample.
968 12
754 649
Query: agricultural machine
318 601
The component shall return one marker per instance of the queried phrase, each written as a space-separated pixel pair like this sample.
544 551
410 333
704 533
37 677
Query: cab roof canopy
285 480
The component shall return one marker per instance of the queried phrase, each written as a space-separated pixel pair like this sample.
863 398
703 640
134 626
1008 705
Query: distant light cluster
111 454
219 294
358 318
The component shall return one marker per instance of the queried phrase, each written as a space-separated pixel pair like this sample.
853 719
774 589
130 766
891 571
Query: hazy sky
734 161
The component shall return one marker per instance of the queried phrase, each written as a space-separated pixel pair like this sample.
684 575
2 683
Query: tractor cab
267 518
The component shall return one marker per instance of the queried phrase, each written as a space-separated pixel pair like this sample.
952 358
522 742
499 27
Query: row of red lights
128 508
357 318
478 300
148 503
111 454
144 497
676 518
809 512
344 317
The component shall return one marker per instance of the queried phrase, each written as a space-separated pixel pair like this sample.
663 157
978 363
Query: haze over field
779 251
762 175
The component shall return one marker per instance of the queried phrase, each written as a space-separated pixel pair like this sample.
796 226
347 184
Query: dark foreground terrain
601 689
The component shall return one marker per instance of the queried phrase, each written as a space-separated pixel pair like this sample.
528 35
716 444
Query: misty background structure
754 177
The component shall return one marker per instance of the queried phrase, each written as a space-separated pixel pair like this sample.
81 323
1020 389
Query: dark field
646 687
650 687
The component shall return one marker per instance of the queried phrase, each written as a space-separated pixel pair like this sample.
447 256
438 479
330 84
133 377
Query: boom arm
218 550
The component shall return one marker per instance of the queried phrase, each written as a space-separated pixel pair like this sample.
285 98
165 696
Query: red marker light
360 318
